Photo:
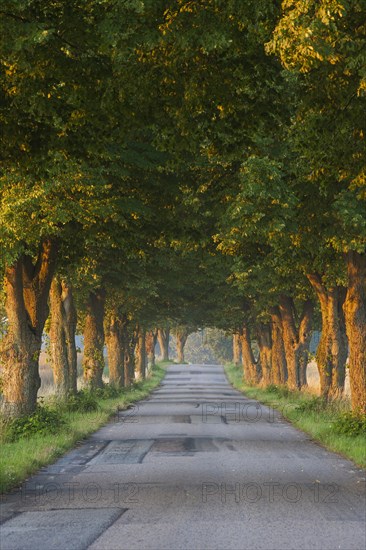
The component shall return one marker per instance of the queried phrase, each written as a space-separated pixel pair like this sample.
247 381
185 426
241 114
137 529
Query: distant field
313 380
46 374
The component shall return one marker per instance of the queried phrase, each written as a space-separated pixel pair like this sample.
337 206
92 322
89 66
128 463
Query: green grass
322 421
21 458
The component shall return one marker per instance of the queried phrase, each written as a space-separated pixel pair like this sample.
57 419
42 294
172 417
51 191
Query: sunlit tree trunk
115 341
296 338
93 363
331 355
279 365
62 338
181 334
151 338
163 339
355 314
59 358
140 354
236 348
27 287
264 341
251 368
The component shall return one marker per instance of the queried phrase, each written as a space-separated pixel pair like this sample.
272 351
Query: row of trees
277 95
183 163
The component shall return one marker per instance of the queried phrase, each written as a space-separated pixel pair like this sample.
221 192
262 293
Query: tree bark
140 354
115 341
250 367
70 331
130 341
331 355
27 287
279 365
355 314
93 363
264 340
163 339
62 338
296 338
151 337
236 348
59 358
181 335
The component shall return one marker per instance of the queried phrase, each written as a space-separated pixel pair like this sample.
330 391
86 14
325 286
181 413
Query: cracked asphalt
196 465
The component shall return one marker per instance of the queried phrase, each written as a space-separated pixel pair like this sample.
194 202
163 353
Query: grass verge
324 422
21 458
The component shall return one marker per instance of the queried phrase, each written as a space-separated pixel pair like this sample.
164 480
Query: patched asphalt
196 465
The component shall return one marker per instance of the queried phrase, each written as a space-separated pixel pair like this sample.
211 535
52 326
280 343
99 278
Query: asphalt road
194 466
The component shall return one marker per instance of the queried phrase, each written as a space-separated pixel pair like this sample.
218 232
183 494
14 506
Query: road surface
194 466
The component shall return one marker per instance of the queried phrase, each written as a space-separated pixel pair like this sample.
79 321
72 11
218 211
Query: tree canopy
186 164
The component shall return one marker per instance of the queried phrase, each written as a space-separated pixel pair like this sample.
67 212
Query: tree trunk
236 348
303 366
130 341
355 313
129 367
93 363
279 365
181 335
140 354
265 352
180 349
296 339
331 355
59 356
163 338
250 367
114 337
70 331
27 288
151 337
304 338
62 338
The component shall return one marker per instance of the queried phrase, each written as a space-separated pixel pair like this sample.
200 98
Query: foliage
84 401
314 404
279 391
44 420
221 344
323 43
351 423
107 392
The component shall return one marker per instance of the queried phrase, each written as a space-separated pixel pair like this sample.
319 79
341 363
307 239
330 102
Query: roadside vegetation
332 423
30 442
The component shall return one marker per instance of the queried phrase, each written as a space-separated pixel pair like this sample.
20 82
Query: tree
27 286
64 92
63 321
115 337
181 334
151 339
93 364
209 185
163 339
236 348
323 44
